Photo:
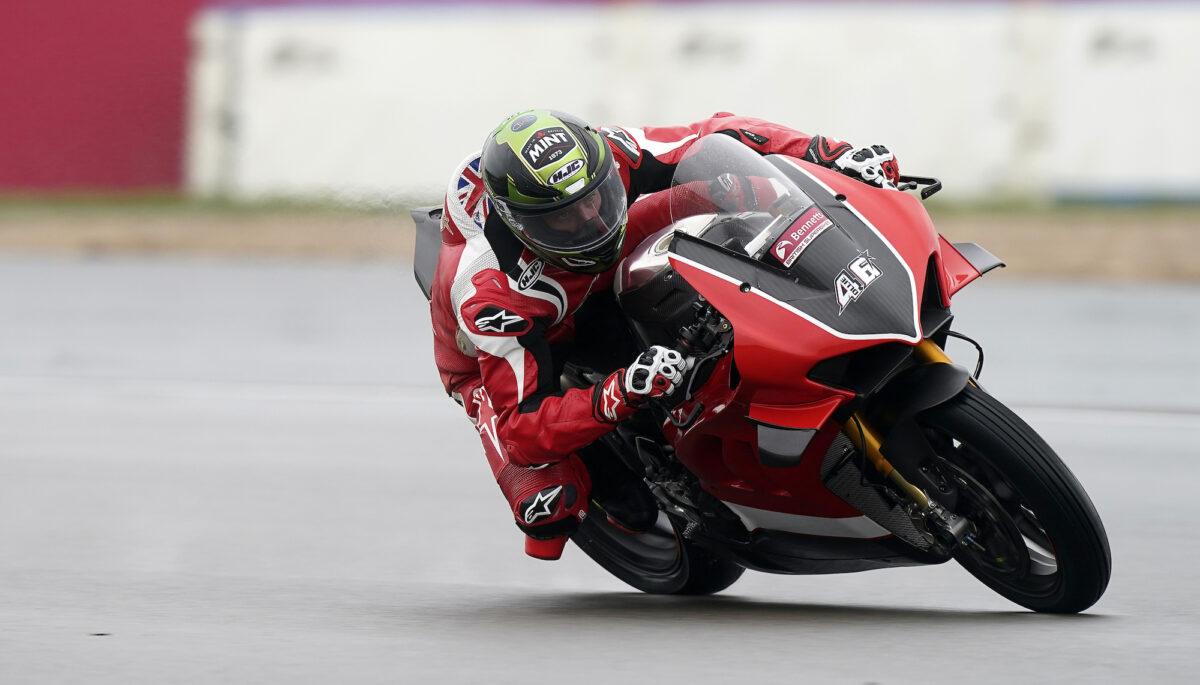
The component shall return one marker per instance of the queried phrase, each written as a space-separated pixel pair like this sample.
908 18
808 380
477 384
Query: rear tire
658 561
1040 542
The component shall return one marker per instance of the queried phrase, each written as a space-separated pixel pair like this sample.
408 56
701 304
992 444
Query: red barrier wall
92 93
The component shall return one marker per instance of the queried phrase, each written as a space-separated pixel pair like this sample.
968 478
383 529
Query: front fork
948 529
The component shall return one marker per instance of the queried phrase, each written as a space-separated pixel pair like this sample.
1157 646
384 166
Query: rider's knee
548 502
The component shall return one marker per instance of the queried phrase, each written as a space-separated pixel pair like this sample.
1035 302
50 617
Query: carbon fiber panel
840 473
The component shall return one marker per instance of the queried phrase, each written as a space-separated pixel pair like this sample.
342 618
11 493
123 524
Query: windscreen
750 206
812 251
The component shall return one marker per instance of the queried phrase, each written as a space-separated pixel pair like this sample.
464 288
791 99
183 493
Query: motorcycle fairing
425 257
882 312
883 309
962 263
886 308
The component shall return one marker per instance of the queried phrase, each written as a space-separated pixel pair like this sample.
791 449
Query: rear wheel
1039 541
658 561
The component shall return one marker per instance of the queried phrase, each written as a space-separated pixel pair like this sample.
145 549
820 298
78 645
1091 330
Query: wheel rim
1011 546
655 552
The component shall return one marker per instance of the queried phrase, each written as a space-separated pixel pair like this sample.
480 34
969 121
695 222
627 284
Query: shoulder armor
466 197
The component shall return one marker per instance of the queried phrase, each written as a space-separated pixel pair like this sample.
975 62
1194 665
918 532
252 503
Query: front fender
896 407
914 390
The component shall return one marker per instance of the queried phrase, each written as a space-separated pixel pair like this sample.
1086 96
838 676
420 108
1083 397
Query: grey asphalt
244 471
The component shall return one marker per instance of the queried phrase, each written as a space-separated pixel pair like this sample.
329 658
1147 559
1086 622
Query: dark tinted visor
585 222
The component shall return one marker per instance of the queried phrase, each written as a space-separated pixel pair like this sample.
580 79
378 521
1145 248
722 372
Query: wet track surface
245 472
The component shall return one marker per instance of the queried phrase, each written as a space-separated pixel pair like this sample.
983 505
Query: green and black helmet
553 181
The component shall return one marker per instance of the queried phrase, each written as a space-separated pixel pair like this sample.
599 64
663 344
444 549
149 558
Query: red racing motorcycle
822 428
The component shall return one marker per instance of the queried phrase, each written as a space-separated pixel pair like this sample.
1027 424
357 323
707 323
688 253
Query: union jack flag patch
471 194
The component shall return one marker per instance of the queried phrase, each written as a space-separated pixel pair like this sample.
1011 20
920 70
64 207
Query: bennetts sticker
811 224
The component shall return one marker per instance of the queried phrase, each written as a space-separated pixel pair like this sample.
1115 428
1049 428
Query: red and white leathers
497 309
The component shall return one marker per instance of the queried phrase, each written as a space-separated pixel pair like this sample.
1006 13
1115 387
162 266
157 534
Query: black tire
658 561
1041 543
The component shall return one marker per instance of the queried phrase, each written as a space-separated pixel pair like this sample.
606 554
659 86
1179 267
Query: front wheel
1038 540
659 561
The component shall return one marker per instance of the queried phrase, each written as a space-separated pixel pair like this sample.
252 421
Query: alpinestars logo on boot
541 505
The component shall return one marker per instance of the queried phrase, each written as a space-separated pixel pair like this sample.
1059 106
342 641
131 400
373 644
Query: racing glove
873 165
656 372
732 192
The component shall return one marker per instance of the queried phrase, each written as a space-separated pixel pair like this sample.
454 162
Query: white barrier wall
380 102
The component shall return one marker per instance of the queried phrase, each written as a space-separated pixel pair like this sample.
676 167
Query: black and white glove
874 165
656 373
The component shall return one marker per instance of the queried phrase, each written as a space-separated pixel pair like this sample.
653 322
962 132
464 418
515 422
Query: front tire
1040 542
659 561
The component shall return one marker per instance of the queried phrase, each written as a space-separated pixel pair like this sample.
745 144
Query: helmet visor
586 222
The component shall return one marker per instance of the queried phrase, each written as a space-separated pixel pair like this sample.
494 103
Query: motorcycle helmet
552 179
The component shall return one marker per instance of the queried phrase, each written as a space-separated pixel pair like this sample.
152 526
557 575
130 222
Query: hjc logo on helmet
565 171
547 145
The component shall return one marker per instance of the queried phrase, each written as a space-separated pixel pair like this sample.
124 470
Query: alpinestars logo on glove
610 397
541 505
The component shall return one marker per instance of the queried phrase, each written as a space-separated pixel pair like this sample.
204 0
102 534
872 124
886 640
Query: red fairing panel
778 372
900 217
721 448
775 349
956 271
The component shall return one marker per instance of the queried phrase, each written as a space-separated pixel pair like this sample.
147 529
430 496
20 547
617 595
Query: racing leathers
502 317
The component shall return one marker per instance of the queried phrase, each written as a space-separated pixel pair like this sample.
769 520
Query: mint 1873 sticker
547 145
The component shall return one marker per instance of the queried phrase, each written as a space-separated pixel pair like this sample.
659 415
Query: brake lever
932 185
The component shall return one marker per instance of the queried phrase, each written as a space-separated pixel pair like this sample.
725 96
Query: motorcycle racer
532 228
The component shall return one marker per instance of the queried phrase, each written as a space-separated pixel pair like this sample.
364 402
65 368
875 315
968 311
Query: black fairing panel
428 221
885 305
848 280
